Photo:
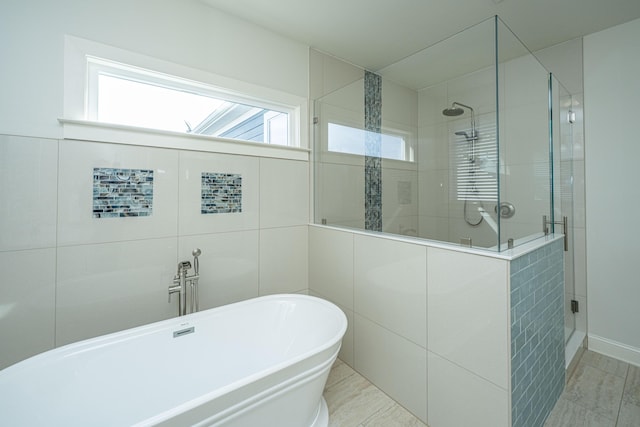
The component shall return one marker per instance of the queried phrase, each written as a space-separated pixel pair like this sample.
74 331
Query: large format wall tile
393 363
459 398
76 223
109 287
228 266
28 190
468 312
192 165
284 193
391 285
284 260
27 303
340 194
331 265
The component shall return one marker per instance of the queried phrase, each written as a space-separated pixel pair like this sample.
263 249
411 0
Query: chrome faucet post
180 281
194 280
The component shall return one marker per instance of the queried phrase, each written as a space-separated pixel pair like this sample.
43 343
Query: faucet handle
183 265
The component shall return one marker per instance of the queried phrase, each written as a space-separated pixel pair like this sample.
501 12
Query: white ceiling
376 33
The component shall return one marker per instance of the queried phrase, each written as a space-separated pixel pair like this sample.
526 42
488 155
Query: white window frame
78 124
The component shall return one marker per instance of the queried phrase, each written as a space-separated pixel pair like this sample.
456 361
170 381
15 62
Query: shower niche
453 144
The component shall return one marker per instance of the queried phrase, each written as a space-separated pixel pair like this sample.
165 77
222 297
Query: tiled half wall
537 334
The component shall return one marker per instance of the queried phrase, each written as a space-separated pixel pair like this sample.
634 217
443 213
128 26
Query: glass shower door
564 116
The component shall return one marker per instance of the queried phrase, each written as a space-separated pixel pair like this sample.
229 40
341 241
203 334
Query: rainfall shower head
453 111
456 109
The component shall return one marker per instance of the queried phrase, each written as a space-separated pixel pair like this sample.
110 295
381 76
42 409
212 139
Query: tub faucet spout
183 281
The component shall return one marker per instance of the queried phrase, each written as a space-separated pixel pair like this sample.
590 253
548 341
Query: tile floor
355 402
601 392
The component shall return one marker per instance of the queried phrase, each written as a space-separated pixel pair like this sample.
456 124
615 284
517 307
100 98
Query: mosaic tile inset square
121 193
221 193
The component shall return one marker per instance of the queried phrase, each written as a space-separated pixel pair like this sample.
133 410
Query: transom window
350 140
127 95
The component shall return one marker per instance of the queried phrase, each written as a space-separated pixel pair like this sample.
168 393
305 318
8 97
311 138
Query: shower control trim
507 210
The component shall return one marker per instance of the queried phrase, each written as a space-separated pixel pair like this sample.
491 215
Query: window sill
86 130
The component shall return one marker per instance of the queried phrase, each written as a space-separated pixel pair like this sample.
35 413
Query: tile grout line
624 387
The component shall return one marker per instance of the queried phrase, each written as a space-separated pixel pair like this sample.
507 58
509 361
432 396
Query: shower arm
473 129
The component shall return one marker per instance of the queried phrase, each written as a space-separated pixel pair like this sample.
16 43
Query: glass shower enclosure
453 143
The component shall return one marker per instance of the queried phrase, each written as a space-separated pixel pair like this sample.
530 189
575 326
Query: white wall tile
192 165
400 104
228 266
399 195
459 398
390 285
340 194
433 146
433 192
347 350
284 193
346 353
435 228
526 133
109 287
284 260
431 101
331 265
527 188
468 312
28 178
27 303
395 365
76 224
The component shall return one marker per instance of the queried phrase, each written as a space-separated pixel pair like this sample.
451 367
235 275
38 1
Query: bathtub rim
172 324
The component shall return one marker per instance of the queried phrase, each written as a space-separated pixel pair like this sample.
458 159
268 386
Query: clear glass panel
339 176
524 167
464 144
564 116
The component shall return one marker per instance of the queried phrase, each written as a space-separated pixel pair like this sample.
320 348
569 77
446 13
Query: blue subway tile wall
373 150
121 193
537 334
221 193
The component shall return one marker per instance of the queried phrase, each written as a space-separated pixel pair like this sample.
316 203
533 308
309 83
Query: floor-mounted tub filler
260 362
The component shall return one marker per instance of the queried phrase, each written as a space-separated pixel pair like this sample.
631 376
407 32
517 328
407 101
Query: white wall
69 276
184 32
612 150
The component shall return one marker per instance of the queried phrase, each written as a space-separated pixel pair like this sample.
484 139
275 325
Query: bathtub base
322 420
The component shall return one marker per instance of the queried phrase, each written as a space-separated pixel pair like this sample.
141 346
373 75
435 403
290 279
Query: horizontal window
350 140
128 95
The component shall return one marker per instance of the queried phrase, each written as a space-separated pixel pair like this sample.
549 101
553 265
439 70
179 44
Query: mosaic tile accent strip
121 193
537 334
373 149
221 193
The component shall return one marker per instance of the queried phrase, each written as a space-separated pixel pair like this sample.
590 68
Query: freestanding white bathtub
260 362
